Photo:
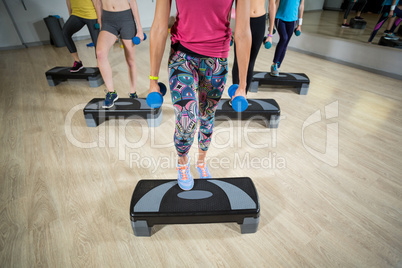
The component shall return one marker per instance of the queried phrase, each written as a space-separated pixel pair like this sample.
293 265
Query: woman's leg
129 52
105 41
289 28
72 25
283 39
211 86
362 4
398 15
182 81
92 30
235 68
257 26
381 21
348 9
212 73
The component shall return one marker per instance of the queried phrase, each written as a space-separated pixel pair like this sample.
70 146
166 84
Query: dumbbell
97 26
239 103
231 40
267 44
297 32
386 14
137 40
155 99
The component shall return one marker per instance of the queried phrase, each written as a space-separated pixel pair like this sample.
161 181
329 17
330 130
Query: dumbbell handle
239 103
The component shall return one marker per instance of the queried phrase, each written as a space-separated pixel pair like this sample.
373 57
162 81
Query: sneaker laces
133 95
75 64
203 168
183 171
108 93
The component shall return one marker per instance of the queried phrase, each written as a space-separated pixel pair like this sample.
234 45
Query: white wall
8 35
333 4
33 29
310 5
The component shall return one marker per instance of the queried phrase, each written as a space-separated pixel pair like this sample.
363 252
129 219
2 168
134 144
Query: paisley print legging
196 86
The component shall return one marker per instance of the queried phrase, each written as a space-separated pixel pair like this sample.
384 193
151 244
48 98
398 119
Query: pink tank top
203 26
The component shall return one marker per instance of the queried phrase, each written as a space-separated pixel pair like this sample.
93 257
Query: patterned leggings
187 76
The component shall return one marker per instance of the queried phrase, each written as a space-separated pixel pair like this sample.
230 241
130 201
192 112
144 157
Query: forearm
98 9
158 36
69 7
301 9
277 3
243 40
157 43
272 14
136 14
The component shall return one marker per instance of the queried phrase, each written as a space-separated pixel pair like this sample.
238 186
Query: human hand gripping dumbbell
268 41
298 29
239 101
155 95
137 40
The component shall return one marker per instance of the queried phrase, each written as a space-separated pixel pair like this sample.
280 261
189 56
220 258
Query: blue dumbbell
297 32
155 99
267 45
386 14
137 40
231 40
97 26
239 103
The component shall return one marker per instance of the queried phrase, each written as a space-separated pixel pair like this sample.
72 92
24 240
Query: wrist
393 7
300 21
269 35
153 84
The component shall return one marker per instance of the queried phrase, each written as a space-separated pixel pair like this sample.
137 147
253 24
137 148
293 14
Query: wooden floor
329 179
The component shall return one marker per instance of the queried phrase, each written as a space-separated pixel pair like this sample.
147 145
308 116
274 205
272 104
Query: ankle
183 161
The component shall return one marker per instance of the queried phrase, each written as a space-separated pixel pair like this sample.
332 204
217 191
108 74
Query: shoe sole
72 71
345 27
103 106
273 75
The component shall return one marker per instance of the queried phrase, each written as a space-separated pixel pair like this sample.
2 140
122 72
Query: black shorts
121 22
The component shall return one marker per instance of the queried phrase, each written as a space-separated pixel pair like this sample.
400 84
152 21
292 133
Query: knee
66 34
284 39
130 63
101 54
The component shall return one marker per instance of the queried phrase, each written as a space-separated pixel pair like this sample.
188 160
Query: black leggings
73 25
362 4
285 31
383 19
257 26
